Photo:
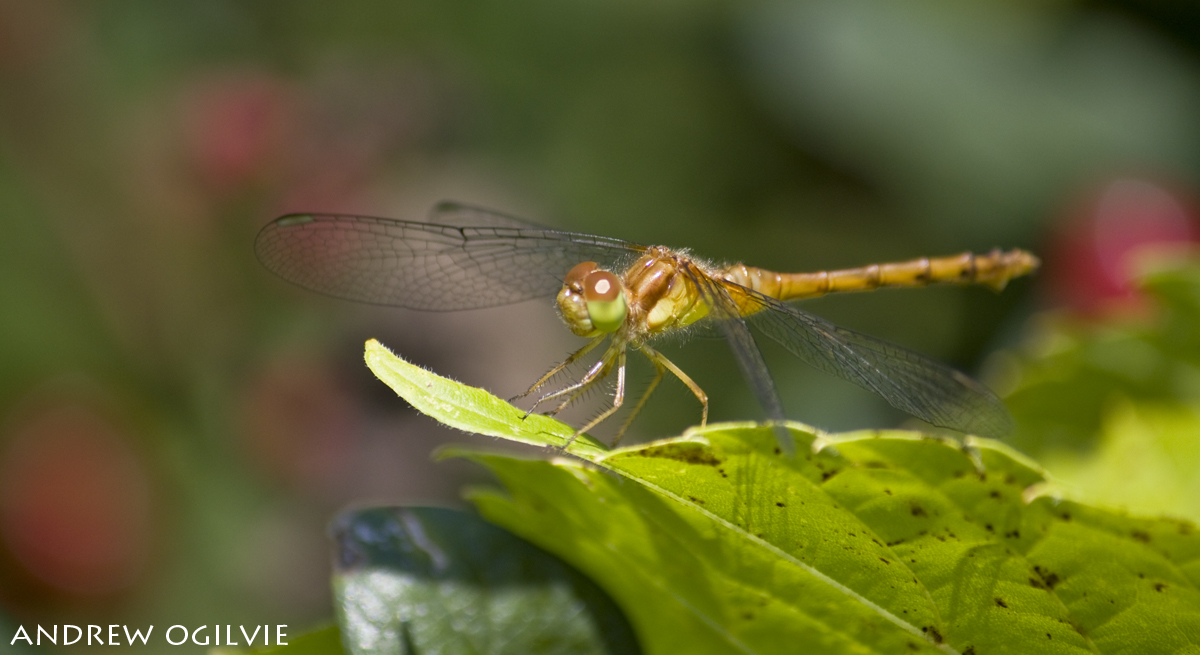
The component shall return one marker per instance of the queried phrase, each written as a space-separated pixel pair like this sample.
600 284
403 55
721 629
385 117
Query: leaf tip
373 347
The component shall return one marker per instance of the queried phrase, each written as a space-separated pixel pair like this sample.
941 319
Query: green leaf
1112 409
1146 459
874 542
472 409
1064 380
425 580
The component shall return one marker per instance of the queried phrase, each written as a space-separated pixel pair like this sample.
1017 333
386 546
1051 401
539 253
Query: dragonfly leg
594 375
660 360
618 400
614 352
579 390
601 371
659 370
571 359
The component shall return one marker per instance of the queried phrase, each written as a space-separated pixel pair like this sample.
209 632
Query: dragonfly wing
908 381
458 214
729 322
428 266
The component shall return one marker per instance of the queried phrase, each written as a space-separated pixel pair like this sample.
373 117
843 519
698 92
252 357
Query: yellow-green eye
605 300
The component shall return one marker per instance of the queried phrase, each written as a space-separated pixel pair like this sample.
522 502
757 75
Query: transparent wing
457 214
727 318
910 382
431 266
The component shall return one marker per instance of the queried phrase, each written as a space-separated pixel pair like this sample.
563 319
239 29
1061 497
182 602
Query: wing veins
907 380
427 265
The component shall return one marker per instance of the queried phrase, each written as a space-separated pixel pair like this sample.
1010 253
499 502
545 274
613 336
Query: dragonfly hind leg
659 371
661 362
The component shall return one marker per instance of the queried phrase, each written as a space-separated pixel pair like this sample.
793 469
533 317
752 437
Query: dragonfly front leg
660 360
598 372
571 359
618 399
659 370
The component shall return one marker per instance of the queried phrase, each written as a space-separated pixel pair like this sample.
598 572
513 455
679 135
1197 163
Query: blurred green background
176 425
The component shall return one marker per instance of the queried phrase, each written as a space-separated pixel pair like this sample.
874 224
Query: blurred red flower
238 128
1091 261
75 501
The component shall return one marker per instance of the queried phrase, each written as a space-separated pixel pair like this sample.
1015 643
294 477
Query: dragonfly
627 294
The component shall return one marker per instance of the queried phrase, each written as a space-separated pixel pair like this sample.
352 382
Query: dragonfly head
592 301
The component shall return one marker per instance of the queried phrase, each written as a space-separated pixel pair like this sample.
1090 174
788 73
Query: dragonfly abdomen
993 269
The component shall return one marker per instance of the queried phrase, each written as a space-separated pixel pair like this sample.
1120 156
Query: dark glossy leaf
419 580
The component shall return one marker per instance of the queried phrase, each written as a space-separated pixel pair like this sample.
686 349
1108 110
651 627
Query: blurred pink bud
237 128
75 507
1091 263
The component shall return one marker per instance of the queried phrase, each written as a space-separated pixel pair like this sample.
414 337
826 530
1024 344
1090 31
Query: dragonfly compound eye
578 273
605 300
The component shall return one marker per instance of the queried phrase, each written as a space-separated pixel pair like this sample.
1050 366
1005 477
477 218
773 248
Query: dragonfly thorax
592 301
662 291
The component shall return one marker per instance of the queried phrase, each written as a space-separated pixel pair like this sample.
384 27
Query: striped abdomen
994 269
